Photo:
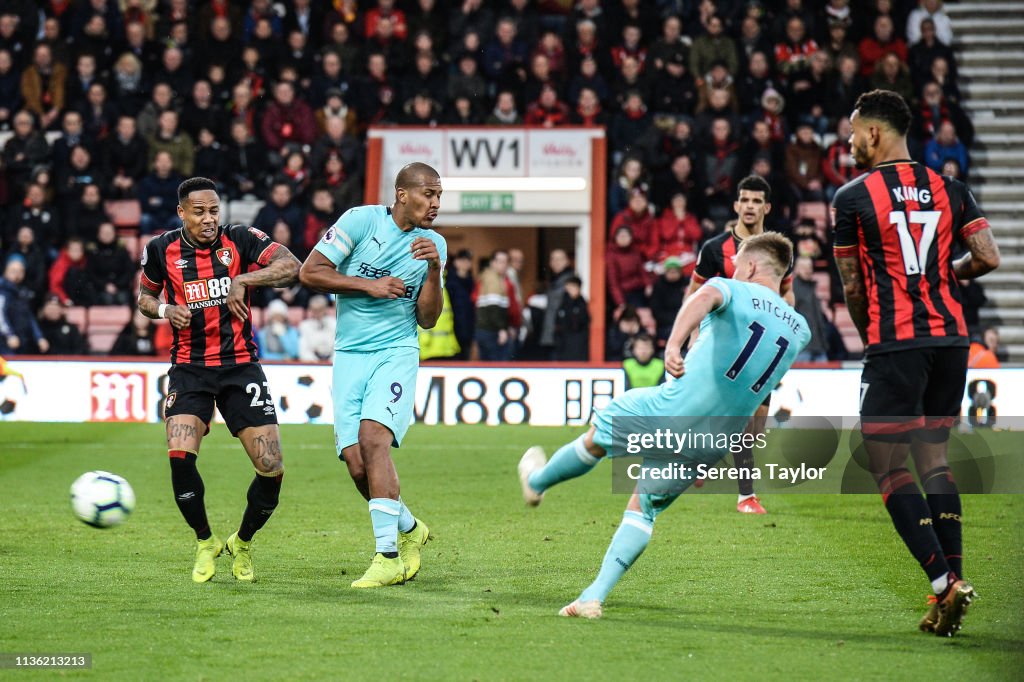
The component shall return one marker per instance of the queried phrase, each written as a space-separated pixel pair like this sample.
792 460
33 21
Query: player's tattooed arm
431 300
856 293
982 256
179 316
281 271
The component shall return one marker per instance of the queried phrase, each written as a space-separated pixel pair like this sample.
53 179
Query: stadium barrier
130 391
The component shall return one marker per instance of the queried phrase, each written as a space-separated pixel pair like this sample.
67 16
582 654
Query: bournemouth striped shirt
200 278
907 224
717 259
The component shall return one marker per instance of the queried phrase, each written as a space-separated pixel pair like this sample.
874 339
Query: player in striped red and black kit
897 231
753 203
205 271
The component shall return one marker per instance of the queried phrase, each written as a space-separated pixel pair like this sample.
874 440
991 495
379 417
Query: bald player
384 264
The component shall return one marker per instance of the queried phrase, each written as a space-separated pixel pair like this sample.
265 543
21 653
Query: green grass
820 588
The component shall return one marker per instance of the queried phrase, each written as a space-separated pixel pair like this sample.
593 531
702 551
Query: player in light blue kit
385 266
749 337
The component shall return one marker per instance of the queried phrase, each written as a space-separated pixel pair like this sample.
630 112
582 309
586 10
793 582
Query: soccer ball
102 499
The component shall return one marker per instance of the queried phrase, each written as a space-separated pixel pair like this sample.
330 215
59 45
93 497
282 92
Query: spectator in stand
331 77
630 78
572 324
69 276
936 109
282 209
756 79
462 112
33 259
174 71
630 45
588 111
719 167
10 89
460 286
929 10
713 46
631 175
87 215
201 111
296 174
717 102
71 136
644 369
505 112
540 75
177 143
678 233
504 53
793 54
497 314
925 51
669 43
980 356
287 121
38 214
378 92
803 165
844 87
25 150
278 339
619 339
158 196
19 332
99 114
808 93
467 81
943 146
470 16
808 304
42 85
838 43
548 111
990 337
942 74
71 181
838 167
892 74
643 226
422 110
560 270
772 112
629 126
110 268
161 100
137 338
62 337
316 332
336 107
246 163
210 161
667 295
587 76
321 216
951 168
128 84
882 41
629 282
123 159
762 143
674 91
345 185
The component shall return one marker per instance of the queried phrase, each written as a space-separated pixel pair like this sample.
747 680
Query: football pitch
819 588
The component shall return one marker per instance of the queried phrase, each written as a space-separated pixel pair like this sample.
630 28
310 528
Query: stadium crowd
111 103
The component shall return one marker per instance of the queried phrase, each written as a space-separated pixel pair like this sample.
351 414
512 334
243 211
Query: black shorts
913 392
239 391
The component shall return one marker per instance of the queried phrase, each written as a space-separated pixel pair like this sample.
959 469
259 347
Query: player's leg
385 417
628 543
187 411
248 409
573 459
891 410
748 502
929 449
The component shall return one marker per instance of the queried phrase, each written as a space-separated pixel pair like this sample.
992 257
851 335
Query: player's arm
319 273
694 310
982 256
855 291
150 286
428 305
281 270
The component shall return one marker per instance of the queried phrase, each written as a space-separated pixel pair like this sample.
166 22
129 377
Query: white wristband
161 310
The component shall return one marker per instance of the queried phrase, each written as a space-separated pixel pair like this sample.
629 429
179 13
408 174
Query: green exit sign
487 202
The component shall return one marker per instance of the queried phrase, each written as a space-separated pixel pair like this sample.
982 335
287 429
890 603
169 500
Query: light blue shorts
379 386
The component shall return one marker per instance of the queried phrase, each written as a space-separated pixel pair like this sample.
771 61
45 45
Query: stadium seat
243 211
4 136
145 239
124 212
76 315
851 337
130 240
105 323
52 136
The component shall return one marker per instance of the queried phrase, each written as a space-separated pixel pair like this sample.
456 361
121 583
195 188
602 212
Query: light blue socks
405 518
628 543
571 460
384 514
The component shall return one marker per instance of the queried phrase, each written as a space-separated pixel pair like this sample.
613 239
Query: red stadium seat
105 323
124 212
131 243
76 315
818 212
851 337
